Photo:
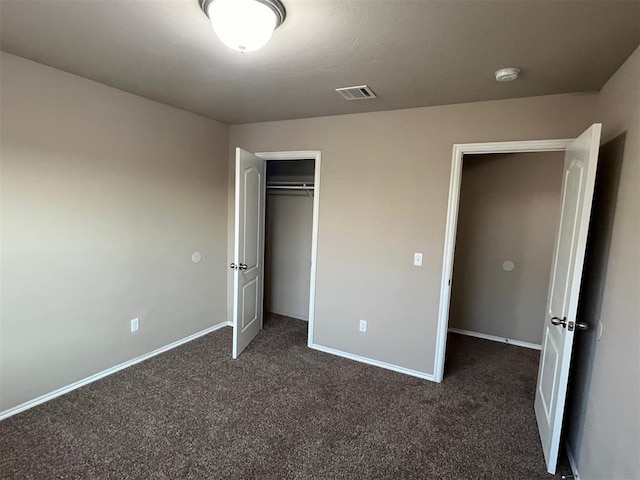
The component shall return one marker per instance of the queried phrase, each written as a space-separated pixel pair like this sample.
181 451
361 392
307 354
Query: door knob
582 326
559 321
242 266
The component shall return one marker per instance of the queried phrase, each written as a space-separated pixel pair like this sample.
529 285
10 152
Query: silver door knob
559 321
582 326
242 266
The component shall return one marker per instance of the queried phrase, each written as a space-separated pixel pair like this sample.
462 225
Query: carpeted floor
283 411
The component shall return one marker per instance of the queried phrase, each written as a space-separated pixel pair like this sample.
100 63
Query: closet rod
297 186
290 187
291 183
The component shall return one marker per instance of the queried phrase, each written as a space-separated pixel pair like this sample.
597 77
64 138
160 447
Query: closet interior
288 237
507 222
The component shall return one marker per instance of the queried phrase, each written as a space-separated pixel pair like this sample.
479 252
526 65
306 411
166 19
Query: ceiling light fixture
507 74
244 25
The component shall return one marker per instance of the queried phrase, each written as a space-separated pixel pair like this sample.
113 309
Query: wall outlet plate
417 259
363 325
135 325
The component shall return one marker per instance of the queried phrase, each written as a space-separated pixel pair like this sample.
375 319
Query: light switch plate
417 259
363 325
135 325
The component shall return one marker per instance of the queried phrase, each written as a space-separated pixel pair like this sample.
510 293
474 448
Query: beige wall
606 442
289 224
105 195
509 211
384 188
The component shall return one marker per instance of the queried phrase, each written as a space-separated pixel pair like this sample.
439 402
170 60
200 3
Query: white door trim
306 155
459 150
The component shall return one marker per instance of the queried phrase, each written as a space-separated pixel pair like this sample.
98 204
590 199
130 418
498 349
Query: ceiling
411 53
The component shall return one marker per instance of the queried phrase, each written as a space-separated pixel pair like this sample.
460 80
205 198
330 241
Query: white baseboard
376 363
287 315
517 343
97 376
572 461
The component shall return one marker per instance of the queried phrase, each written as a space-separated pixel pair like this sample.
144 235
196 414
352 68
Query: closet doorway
288 234
277 195
560 314
507 220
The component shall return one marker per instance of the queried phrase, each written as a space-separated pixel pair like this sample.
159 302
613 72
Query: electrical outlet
417 259
135 325
363 325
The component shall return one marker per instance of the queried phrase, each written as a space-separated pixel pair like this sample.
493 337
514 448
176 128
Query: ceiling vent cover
361 92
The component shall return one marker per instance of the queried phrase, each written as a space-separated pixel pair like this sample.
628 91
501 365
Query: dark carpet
284 411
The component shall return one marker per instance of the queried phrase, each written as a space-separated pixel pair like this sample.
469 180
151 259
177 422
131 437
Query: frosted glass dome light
244 25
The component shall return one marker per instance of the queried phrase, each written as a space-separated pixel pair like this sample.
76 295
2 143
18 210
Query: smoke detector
508 74
361 92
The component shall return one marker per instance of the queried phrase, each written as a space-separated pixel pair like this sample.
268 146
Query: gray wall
289 224
105 195
384 187
509 210
605 435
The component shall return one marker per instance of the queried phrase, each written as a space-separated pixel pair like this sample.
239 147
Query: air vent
361 92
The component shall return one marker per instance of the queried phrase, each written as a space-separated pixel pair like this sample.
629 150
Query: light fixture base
275 5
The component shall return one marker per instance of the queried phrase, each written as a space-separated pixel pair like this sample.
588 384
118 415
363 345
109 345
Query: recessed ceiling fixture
508 74
361 92
244 25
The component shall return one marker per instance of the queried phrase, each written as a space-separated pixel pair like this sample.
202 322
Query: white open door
564 287
248 253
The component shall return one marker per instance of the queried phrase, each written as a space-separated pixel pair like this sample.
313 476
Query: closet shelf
291 186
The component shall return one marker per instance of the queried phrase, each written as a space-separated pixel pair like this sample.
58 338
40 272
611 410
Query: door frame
459 150
317 156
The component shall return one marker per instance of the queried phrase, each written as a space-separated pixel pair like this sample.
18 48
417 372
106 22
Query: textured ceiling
411 53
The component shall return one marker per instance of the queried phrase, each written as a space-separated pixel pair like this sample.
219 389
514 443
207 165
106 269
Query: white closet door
248 258
564 287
